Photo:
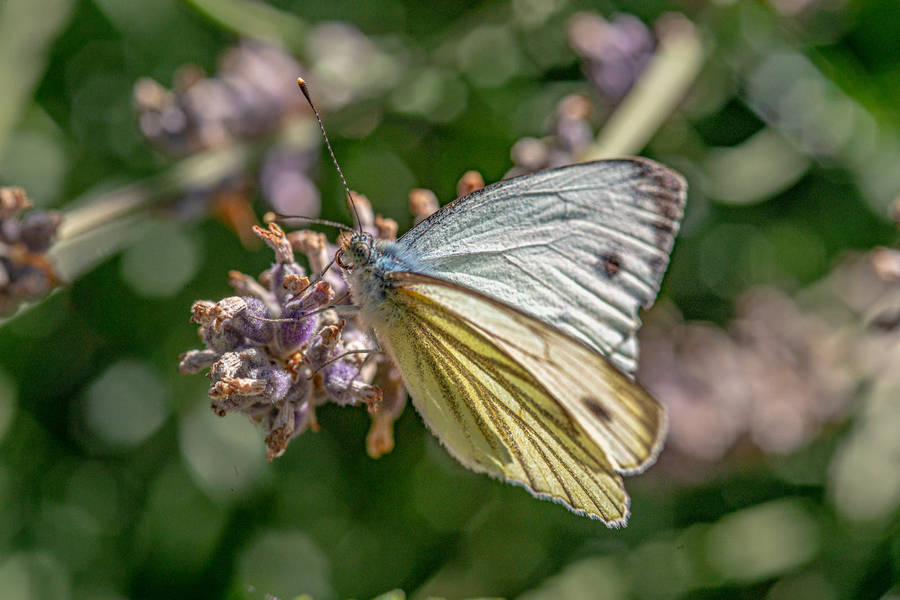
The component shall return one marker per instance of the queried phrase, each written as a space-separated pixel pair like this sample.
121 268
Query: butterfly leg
369 351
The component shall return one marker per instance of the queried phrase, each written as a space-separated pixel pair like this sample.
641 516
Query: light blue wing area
581 247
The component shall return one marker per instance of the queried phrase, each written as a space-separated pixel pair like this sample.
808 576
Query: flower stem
660 88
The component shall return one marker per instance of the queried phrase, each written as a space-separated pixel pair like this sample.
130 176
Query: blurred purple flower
570 134
25 271
286 185
614 52
251 95
783 369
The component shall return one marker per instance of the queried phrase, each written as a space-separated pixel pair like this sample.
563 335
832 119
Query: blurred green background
774 343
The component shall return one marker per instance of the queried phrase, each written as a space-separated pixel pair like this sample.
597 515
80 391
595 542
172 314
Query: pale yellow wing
513 397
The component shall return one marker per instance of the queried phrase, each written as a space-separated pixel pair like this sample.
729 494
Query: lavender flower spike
273 354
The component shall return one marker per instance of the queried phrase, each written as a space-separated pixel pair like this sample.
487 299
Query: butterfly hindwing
511 396
583 247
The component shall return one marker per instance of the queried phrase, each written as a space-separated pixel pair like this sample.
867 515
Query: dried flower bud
470 181
194 361
386 228
313 244
281 424
245 285
294 284
276 240
575 106
530 153
13 201
363 215
422 203
380 439
228 387
886 262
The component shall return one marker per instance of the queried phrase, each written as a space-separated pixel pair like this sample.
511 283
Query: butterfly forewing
582 247
512 397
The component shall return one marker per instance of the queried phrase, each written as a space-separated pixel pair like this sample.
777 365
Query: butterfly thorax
366 266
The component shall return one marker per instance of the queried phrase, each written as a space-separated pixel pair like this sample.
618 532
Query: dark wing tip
668 186
663 191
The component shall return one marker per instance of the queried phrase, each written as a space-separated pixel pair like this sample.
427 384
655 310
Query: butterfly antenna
274 217
305 91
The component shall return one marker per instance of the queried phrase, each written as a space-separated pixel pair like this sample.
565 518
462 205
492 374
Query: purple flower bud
26 273
250 322
574 134
337 379
341 381
296 333
273 356
38 229
278 382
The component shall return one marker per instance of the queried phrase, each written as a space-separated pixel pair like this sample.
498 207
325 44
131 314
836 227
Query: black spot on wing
610 263
886 321
597 409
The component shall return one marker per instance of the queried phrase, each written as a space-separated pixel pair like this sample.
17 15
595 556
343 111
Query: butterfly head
356 251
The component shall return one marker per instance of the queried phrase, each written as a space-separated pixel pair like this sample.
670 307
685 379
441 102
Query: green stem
196 171
657 93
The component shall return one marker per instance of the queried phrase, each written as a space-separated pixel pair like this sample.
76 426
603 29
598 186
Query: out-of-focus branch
196 171
103 224
657 93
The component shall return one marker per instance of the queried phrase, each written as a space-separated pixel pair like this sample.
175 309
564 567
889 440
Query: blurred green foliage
116 481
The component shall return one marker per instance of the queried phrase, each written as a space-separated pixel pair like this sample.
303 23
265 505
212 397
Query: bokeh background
161 130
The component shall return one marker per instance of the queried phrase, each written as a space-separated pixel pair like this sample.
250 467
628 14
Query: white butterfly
512 313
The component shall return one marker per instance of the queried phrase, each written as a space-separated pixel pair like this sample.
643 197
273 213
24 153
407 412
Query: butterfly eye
361 249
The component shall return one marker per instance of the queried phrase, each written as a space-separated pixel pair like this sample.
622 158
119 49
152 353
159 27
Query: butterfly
512 315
